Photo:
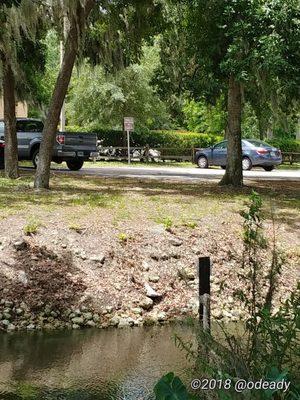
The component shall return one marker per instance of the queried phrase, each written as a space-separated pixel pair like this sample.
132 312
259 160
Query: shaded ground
100 240
42 277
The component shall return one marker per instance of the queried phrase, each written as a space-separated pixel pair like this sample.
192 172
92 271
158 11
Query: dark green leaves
170 387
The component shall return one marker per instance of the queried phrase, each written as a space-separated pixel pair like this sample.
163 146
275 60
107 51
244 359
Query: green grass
190 224
74 226
167 222
123 237
294 166
105 200
82 199
32 226
159 164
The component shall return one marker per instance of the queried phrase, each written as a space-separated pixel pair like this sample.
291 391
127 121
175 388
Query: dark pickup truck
73 148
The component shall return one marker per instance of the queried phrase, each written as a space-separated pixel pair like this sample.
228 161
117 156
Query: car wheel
35 157
202 162
246 164
223 166
75 164
269 168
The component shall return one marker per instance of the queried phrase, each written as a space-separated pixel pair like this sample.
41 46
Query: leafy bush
286 144
176 139
159 138
203 117
170 387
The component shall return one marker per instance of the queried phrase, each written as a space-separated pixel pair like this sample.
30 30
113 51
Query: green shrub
32 227
159 138
286 144
175 139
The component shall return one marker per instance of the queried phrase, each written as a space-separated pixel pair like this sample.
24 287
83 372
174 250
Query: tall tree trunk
262 119
261 130
77 24
10 132
234 173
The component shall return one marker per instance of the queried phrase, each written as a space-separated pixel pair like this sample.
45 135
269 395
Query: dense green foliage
170 387
181 140
203 117
46 80
109 97
257 42
286 144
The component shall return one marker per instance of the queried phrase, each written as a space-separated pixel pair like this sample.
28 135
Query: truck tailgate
80 141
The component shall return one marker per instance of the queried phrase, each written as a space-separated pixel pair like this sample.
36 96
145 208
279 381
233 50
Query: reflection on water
90 364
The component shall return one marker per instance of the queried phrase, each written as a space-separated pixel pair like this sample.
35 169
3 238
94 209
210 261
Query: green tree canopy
238 45
108 97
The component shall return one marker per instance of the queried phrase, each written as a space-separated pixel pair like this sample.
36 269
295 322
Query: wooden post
146 153
204 292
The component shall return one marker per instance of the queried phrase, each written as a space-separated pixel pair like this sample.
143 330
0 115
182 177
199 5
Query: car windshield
257 143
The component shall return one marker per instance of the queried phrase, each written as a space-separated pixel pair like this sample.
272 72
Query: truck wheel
35 157
75 164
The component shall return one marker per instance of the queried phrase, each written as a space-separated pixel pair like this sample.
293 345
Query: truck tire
75 164
35 157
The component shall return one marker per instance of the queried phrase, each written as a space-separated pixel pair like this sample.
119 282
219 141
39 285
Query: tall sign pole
128 127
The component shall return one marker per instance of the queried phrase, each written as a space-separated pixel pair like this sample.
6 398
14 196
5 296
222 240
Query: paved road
184 174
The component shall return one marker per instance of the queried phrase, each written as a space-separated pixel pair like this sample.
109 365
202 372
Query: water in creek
89 364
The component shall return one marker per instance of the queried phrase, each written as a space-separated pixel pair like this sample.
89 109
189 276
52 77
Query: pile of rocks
146 310
18 316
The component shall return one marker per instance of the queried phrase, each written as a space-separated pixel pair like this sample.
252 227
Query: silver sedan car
255 153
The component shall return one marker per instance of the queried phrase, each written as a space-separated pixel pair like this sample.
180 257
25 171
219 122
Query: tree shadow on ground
71 190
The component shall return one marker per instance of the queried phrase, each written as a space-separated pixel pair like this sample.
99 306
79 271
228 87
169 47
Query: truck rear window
29 126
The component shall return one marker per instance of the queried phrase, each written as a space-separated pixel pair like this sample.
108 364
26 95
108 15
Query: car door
23 139
29 130
219 153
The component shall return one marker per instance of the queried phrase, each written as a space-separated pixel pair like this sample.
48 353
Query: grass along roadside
180 203
184 164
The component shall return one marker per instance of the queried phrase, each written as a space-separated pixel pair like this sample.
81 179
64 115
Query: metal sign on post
128 127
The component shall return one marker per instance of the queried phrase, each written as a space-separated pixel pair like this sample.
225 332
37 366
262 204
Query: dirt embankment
99 277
